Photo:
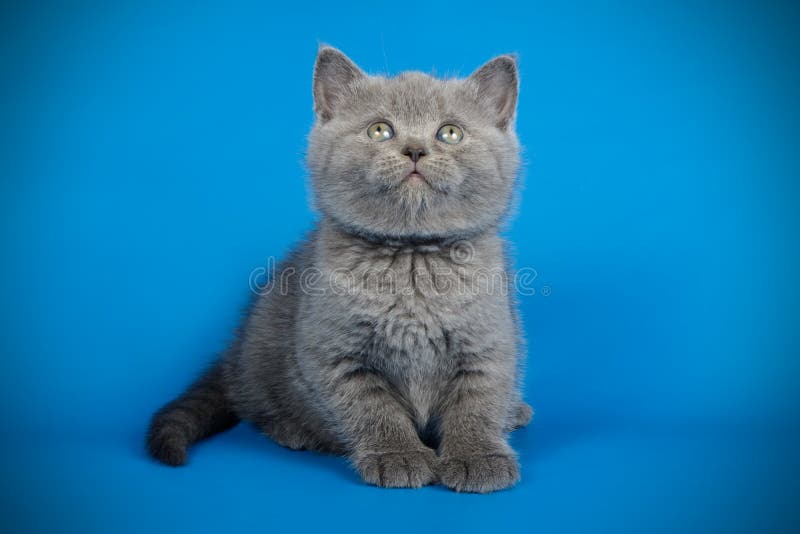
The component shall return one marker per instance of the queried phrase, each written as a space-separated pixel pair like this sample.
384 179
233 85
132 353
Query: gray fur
382 353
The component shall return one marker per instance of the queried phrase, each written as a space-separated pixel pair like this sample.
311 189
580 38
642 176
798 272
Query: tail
202 411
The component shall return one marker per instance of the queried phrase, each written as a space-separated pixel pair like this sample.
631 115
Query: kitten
397 349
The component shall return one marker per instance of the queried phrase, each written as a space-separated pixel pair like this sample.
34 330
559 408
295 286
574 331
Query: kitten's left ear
498 85
333 73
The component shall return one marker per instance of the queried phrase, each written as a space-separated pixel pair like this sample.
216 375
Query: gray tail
202 411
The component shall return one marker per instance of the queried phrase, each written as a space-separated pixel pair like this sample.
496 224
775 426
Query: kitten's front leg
385 447
474 453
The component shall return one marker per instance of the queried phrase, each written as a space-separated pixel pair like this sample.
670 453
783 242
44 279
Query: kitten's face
413 156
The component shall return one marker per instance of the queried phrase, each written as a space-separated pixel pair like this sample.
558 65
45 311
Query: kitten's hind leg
292 433
521 415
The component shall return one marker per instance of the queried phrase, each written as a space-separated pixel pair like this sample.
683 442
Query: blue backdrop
151 158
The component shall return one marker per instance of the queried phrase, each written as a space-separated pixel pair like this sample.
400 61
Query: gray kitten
389 335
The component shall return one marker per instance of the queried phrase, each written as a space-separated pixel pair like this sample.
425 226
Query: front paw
411 469
479 473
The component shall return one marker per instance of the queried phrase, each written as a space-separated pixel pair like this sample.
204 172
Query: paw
521 416
412 469
480 473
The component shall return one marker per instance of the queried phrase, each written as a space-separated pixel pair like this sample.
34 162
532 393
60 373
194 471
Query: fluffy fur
400 349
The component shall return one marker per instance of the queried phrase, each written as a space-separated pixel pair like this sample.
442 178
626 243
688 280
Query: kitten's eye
380 131
450 134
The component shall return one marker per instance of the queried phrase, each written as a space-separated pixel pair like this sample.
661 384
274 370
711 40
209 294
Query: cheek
349 158
477 163
483 179
448 168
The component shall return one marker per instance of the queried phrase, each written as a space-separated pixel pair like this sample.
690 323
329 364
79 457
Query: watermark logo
455 273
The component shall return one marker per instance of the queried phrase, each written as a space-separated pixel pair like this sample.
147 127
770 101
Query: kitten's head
413 157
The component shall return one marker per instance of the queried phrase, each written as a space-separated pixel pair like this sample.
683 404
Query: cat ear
498 85
333 73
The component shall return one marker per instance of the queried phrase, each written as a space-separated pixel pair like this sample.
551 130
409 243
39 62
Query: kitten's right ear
333 73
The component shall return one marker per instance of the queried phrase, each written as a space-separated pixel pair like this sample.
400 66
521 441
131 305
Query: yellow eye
380 131
450 134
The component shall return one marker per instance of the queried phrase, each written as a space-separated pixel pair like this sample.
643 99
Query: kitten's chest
410 345
404 311
413 305
412 300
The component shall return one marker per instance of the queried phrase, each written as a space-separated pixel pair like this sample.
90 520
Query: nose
414 152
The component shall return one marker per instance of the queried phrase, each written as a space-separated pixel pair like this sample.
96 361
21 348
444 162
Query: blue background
151 158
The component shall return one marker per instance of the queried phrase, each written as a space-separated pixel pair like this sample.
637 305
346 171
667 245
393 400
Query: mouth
416 177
